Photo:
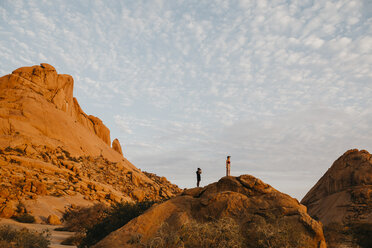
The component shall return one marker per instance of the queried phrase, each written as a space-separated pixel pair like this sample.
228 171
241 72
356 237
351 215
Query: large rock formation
344 193
256 207
31 90
50 148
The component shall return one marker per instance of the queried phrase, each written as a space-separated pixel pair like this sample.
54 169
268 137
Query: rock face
57 89
50 147
245 199
344 193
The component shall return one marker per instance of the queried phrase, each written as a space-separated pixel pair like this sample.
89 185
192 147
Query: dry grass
275 233
24 238
223 233
226 233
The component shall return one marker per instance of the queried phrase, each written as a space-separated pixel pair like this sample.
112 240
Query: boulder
256 207
54 220
138 194
116 146
7 211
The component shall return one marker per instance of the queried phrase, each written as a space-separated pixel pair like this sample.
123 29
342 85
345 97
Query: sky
284 87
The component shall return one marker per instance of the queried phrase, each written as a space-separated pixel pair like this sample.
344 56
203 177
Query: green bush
24 238
117 216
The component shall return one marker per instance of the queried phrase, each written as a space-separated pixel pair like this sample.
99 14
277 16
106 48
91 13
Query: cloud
314 42
183 83
123 124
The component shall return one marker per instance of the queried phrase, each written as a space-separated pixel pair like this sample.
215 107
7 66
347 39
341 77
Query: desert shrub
360 233
22 215
274 233
117 216
222 233
24 238
25 218
73 240
19 150
83 218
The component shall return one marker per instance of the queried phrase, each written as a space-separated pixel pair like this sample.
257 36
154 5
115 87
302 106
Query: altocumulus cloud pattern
284 87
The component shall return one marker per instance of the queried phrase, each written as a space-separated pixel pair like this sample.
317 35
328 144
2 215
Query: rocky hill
52 154
264 217
344 193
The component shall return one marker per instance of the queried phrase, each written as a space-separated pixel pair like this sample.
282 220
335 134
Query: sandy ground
56 236
44 206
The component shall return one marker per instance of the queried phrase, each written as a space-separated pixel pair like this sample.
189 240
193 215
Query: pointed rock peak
57 89
116 146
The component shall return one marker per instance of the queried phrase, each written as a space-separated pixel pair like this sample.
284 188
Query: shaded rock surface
243 198
344 192
50 147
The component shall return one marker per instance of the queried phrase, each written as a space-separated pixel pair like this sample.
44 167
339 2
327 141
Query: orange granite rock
344 193
244 199
116 146
49 147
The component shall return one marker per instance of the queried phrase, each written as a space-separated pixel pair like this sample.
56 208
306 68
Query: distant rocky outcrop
57 89
50 148
344 193
245 199
116 146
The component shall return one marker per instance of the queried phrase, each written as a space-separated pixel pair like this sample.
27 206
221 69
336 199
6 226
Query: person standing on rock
198 177
228 164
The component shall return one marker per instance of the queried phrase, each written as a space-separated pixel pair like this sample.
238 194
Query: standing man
198 177
228 166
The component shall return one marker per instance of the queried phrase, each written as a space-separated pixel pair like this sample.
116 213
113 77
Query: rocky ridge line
50 149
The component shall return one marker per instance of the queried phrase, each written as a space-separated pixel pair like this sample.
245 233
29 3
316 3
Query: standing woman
198 177
228 166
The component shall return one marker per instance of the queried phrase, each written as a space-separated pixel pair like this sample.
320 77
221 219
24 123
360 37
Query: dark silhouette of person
228 166
198 177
